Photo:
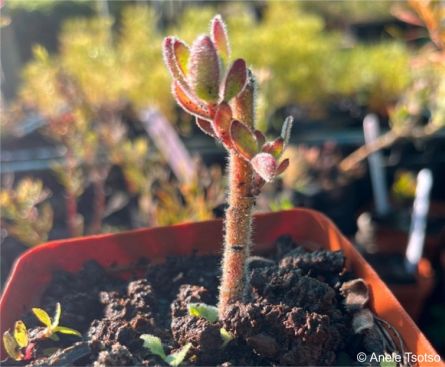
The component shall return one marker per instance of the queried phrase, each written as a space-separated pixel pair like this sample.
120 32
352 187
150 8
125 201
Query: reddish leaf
203 69
243 140
265 166
274 147
188 103
205 126
182 54
170 58
222 122
219 37
235 79
261 139
282 166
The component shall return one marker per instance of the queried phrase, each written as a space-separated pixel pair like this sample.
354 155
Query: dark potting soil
294 313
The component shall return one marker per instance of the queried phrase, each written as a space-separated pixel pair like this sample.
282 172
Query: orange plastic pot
33 270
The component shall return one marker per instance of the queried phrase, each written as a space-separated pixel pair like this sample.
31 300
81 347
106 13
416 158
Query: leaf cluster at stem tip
209 87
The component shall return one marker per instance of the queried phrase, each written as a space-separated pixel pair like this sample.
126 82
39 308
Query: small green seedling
210 313
52 326
154 345
18 341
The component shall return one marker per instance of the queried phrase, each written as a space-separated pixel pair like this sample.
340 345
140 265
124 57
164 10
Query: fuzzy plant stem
238 223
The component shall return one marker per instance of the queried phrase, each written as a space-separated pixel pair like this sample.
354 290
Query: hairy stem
238 224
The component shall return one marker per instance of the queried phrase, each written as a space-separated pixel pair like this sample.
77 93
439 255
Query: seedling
52 326
154 345
17 344
222 98
210 313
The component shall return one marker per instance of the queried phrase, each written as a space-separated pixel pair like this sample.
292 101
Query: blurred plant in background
25 211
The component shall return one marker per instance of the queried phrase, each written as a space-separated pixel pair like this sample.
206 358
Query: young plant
221 96
52 326
154 345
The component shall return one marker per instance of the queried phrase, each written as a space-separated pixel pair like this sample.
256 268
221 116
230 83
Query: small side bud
205 126
243 140
203 69
188 103
274 147
265 166
286 130
222 123
235 79
219 36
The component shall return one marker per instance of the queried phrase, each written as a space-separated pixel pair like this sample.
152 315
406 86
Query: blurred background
92 140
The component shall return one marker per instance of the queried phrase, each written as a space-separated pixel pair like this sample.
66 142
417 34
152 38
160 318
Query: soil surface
293 314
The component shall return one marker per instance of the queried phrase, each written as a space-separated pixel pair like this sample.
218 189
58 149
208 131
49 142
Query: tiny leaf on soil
42 316
154 345
21 334
175 359
210 313
67 331
11 346
226 336
57 314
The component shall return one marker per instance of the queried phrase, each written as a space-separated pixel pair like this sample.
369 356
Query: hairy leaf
203 70
243 140
265 165
282 166
235 79
188 103
210 313
206 126
175 359
222 121
219 36
182 54
261 139
21 334
42 316
170 58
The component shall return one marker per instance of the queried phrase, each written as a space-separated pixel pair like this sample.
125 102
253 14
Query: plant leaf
54 337
222 120
282 166
42 316
286 130
243 140
275 147
235 79
265 165
182 54
154 345
219 36
189 103
67 331
206 126
226 337
260 138
11 346
57 314
210 313
203 69
170 58
21 334
175 359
